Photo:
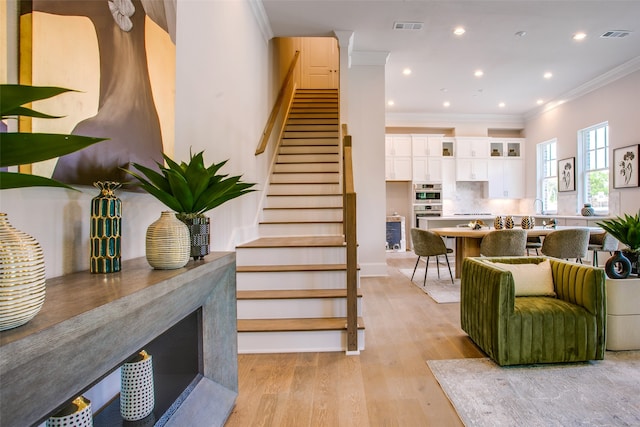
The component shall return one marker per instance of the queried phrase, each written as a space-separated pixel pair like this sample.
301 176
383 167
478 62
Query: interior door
320 63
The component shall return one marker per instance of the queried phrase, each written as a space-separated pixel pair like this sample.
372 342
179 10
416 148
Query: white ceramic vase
137 397
77 414
22 276
168 245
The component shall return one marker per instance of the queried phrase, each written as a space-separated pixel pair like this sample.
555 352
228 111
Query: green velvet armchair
513 330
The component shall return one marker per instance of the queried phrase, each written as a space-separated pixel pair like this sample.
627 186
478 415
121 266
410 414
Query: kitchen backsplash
471 197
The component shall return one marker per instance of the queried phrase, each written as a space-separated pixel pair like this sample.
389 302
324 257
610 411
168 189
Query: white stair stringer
291 282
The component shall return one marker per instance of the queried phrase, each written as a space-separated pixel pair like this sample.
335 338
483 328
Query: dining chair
603 242
504 243
533 242
566 244
427 243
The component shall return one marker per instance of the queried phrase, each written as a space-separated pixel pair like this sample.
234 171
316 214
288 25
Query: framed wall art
625 166
567 174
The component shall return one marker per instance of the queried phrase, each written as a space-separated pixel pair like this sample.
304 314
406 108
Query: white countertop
483 217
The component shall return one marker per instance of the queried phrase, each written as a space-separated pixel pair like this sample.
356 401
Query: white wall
224 91
224 72
616 103
366 125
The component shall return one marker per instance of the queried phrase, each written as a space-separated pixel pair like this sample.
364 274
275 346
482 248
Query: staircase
292 280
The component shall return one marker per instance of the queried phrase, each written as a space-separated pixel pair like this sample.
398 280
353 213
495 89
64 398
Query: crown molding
602 80
261 18
450 120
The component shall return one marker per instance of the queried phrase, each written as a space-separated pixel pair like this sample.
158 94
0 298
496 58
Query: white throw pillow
531 279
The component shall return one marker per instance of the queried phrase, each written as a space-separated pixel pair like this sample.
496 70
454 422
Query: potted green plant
22 269
191 189
627 230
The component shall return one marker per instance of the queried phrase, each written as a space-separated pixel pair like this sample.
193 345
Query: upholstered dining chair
504 243
427 243
567 244
603 242
535 243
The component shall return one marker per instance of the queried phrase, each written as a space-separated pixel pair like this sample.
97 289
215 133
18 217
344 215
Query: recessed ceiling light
458 31
390 103
579 36
446 104
548 75
478 73
540 102
502 105
406 71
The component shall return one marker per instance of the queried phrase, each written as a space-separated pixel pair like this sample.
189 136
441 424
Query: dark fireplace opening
176 364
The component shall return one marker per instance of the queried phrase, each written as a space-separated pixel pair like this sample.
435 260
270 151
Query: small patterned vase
508 222
137 397
528 222
498 223
168 245
77 413
106 221
587 210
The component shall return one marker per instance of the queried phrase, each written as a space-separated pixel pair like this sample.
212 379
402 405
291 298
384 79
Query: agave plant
20 148
626 229
190 189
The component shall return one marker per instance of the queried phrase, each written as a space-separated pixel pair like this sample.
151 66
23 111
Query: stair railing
284 98
349 224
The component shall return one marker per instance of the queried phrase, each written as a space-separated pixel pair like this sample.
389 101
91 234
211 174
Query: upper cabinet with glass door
507 147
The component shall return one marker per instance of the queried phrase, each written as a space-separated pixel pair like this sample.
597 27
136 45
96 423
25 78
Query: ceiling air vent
615 34
407 25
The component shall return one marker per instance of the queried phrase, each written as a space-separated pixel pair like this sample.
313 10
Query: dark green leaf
24 111
24 148
180 190
13 96
21 180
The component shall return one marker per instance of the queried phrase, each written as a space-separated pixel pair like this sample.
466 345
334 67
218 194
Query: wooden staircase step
310 115
296 242
294 294
313 121
289 268
299 324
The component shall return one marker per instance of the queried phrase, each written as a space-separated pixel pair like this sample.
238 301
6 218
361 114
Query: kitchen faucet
541 206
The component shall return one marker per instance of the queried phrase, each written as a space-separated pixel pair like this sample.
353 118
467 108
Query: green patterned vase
106 217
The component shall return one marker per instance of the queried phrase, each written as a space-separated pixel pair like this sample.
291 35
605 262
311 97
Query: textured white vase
168 245
22 276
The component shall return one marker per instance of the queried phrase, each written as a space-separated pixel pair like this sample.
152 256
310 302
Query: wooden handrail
277 107
349 222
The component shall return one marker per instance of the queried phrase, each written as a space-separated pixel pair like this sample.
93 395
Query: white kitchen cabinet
472 159
427 169
398 160
428 146
472 147
506 178
470 169
448 177
507 147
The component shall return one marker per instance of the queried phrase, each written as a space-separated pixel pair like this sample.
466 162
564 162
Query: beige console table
623 314
91 323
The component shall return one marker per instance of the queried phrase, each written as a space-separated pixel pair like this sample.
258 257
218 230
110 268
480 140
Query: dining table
468 239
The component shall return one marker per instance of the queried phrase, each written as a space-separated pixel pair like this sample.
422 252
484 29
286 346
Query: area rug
440 290
598 393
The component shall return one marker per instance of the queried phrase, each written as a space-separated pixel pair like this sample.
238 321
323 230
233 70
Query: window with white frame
547 185
594 166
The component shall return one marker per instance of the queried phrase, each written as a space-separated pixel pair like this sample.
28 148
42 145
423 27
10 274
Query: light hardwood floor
388 384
